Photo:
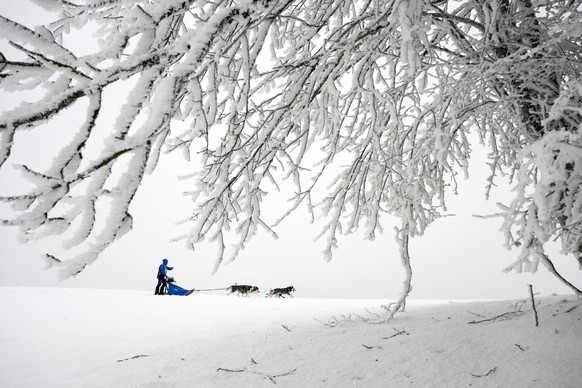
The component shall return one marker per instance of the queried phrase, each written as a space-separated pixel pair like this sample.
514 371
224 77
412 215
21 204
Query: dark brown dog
242 289
280 292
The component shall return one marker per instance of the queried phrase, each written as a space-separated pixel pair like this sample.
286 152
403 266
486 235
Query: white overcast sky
459 257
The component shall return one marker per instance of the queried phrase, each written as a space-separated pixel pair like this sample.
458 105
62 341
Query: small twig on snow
398 332
273 377
371 347
486 374
330 324
533 304
134 357
490 319
286 328
477 315
565 312
508 315
378 320
263 375
230 370
520 348
570 309
333 322
517 306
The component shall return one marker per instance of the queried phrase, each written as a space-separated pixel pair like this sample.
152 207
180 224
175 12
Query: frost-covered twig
403 239
552 269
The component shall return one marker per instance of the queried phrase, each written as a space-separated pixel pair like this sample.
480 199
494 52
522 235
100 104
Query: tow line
210 289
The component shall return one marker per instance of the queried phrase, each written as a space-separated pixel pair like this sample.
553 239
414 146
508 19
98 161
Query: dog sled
174 289
239 289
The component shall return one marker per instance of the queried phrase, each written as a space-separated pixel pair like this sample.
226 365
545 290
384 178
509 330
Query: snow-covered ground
57 337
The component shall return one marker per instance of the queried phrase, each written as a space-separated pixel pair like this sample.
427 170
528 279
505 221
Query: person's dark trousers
161 287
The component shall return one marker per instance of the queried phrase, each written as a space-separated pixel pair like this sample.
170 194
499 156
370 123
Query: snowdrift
53 337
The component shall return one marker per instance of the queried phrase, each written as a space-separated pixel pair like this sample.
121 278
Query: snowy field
57 337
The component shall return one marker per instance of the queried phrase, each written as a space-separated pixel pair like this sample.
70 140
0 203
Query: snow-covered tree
365 107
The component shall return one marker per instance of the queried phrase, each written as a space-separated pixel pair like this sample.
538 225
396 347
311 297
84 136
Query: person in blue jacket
162 286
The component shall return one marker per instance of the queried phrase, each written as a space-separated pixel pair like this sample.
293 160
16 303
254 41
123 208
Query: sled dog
280 292
242 289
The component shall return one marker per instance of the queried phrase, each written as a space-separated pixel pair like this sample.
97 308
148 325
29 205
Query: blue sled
177 290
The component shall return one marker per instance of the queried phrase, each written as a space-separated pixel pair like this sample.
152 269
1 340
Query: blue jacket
162 271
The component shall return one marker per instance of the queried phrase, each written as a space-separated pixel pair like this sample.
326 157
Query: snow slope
56 337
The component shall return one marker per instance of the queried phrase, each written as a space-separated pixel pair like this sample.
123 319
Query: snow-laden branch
362 110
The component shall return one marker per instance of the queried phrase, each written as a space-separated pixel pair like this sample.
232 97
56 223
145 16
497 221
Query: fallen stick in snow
508 315
132 358
330 324
491 319
372 347
570 309
398 332
333 322
263 375
273 377
486 374
230 370
519 347
565 312
533 304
